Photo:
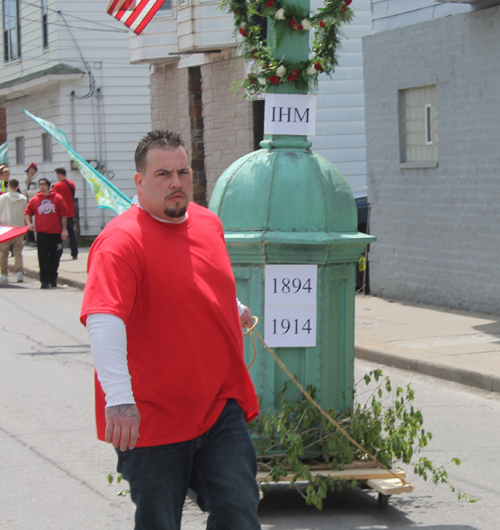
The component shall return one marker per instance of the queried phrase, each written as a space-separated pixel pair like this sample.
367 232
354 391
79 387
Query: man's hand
246 318
122 426
64 234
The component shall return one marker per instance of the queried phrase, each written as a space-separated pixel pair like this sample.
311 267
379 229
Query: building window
45 25
46 147
418 120
165 8
11 30
20 150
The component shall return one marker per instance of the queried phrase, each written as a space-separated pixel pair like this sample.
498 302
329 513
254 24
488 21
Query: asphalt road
53 471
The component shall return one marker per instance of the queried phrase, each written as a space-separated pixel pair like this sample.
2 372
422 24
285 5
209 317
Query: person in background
30 192
12 206
49 210
66 188
31 181
5 174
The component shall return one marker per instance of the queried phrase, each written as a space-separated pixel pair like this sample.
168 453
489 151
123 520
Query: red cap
32 165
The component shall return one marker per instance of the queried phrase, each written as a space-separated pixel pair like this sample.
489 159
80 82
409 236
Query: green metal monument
285 207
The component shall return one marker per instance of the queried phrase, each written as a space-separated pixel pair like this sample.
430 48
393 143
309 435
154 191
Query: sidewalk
456 345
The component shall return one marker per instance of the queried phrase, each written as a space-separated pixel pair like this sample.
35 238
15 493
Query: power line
87 66
37 6
26 19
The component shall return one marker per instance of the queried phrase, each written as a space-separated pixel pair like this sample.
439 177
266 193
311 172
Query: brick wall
3 126
228 118
170 100
437 229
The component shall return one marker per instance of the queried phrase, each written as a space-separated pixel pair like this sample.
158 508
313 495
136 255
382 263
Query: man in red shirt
66 188
173 394
49 211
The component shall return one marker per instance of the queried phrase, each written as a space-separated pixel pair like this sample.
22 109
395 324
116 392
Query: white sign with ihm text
290 305
292 114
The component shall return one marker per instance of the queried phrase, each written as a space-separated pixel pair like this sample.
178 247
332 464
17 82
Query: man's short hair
154 139
60 170
13 183
44 179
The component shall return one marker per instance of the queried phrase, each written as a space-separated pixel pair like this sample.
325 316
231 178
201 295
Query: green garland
265 70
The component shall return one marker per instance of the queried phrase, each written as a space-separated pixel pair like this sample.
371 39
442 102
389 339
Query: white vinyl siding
420 124
390 14
340 114
111 107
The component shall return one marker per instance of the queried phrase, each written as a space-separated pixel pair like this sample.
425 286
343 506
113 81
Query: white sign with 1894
290 305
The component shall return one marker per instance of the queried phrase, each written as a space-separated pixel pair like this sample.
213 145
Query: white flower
281 71
280 14
262 81
306 24
311 70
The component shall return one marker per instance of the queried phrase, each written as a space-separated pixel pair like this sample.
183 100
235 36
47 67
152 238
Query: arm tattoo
130 411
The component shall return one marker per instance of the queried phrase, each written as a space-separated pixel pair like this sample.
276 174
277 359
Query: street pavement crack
52 462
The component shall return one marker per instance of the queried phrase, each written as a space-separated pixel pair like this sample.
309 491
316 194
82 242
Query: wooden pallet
375 478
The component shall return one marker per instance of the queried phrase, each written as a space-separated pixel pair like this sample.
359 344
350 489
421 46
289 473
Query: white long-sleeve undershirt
108 344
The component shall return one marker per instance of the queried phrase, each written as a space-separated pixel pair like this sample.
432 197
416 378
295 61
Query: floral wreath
265 70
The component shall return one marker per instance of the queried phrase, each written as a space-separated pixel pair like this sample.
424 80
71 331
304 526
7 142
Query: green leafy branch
295 438
266 70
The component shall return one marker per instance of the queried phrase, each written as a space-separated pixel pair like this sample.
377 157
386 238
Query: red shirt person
49 210
173 394
66 188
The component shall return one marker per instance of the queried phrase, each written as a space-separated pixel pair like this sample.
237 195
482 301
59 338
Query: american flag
135 14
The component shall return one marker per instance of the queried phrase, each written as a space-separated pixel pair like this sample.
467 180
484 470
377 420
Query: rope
311 399
256 321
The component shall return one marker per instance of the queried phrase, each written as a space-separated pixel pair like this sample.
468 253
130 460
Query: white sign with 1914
290 305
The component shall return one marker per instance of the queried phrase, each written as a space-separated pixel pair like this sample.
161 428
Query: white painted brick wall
437 230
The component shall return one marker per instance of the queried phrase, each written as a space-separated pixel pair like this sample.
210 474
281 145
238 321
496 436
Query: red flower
343 9
243 32
293 76
293 25
269 3
347 2
321 23
235 11
318 66
299 27
275 80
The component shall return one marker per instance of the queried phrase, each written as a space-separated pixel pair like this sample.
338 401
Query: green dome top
284 190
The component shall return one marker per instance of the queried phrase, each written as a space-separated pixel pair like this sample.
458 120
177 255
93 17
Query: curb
457 375
462 376
61 280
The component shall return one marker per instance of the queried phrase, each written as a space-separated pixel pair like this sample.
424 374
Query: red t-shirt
65 192
48 210
173 286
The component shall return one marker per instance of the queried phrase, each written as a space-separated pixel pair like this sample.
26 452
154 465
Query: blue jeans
219 466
